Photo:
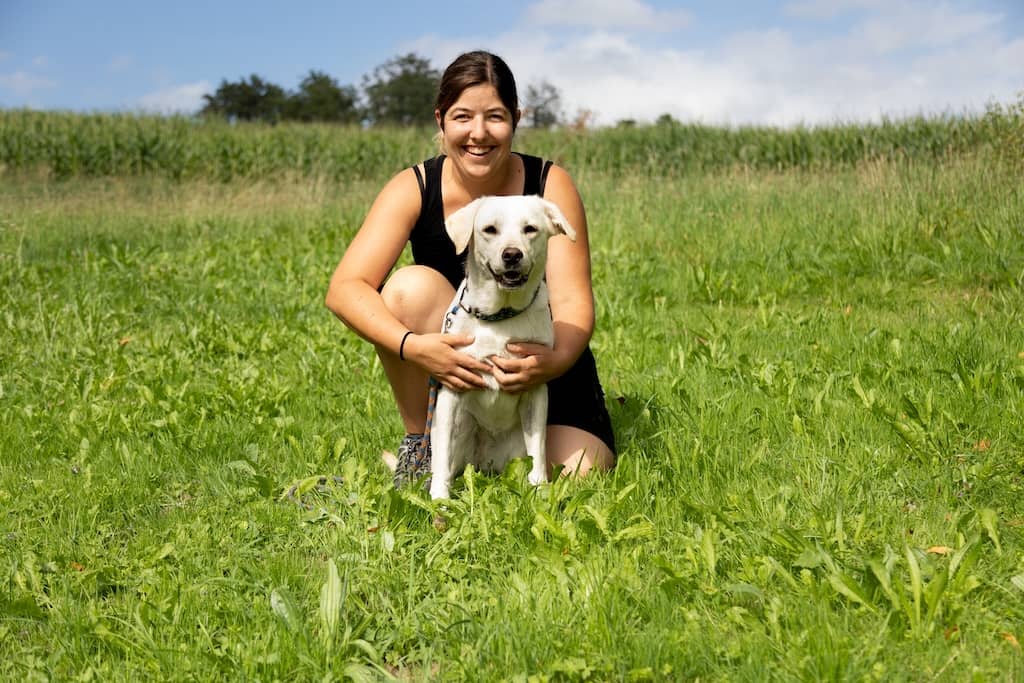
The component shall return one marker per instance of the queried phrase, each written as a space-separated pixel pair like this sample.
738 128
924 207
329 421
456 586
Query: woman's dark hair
477 68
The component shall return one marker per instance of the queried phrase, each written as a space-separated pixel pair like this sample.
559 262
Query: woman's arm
354 292
571 295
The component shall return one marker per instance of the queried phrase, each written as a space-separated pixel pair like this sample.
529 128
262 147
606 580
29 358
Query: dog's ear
559 224
459 225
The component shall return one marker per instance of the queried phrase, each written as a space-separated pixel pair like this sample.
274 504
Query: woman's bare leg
577 451
418 296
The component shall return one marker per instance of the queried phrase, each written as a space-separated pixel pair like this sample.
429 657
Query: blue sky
780 63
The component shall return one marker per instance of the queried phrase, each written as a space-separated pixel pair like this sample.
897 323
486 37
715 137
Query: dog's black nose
511 256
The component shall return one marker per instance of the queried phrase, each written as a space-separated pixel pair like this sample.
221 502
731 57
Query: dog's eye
530 229
490 230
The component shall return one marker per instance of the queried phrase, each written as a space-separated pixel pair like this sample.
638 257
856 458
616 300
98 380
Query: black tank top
431 245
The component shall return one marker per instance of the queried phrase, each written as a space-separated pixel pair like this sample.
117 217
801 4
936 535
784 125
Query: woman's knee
417 296
577 451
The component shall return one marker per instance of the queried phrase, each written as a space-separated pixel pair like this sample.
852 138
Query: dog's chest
495 412
490 338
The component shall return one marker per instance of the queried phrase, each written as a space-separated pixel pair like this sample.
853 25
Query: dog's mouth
510 279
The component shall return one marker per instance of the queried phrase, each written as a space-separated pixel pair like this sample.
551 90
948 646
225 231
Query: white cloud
929 59
909 25
42 61
185 99
24 84
1009 57
606 14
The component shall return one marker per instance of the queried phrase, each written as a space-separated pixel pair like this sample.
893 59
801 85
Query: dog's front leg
446 435
441 432
534 415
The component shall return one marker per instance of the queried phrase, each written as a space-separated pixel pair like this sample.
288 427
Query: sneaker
413 460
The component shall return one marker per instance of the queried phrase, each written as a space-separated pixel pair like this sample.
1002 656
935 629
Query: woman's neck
501 182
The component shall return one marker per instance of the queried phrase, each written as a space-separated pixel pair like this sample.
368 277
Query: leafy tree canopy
320 98
246 100
399 92
542 105
402 91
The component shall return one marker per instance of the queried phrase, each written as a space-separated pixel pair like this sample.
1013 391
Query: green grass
817 382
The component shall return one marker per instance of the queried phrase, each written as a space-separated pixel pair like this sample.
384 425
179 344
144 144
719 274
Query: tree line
399 92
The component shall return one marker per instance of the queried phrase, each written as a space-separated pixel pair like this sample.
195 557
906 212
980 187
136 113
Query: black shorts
576 399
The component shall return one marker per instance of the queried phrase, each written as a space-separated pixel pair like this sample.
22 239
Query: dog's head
508 236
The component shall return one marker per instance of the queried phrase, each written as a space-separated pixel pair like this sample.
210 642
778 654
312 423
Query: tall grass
184 148
67 145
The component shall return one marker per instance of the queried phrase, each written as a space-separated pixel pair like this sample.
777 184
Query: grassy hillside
816 376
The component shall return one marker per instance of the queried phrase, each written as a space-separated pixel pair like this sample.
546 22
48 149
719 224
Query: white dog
503 299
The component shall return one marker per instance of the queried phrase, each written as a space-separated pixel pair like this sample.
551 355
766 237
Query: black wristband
401 347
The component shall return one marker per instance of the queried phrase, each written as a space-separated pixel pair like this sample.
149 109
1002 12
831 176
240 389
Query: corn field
67 145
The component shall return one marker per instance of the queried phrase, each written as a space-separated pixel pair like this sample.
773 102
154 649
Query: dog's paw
390 461
537 478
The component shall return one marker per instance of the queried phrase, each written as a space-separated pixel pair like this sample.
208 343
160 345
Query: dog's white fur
507 239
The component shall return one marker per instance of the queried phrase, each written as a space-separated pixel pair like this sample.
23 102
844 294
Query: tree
402 91
252 100
543 105
320 98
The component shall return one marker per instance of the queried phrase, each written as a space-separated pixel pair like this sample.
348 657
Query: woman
477 113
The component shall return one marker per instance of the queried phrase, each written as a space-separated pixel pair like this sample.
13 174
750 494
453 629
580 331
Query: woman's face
477 131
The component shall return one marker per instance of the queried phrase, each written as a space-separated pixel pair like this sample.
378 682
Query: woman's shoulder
404 190
402 181
557 180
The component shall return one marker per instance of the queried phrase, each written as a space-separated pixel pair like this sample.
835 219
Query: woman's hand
437 355
536 364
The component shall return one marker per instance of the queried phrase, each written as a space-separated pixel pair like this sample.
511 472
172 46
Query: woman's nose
478 130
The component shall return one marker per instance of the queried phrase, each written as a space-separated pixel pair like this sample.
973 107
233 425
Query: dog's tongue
512 278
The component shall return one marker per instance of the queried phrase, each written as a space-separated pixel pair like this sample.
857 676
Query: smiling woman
477 110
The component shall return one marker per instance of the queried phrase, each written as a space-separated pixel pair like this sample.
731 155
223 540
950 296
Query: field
815 371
